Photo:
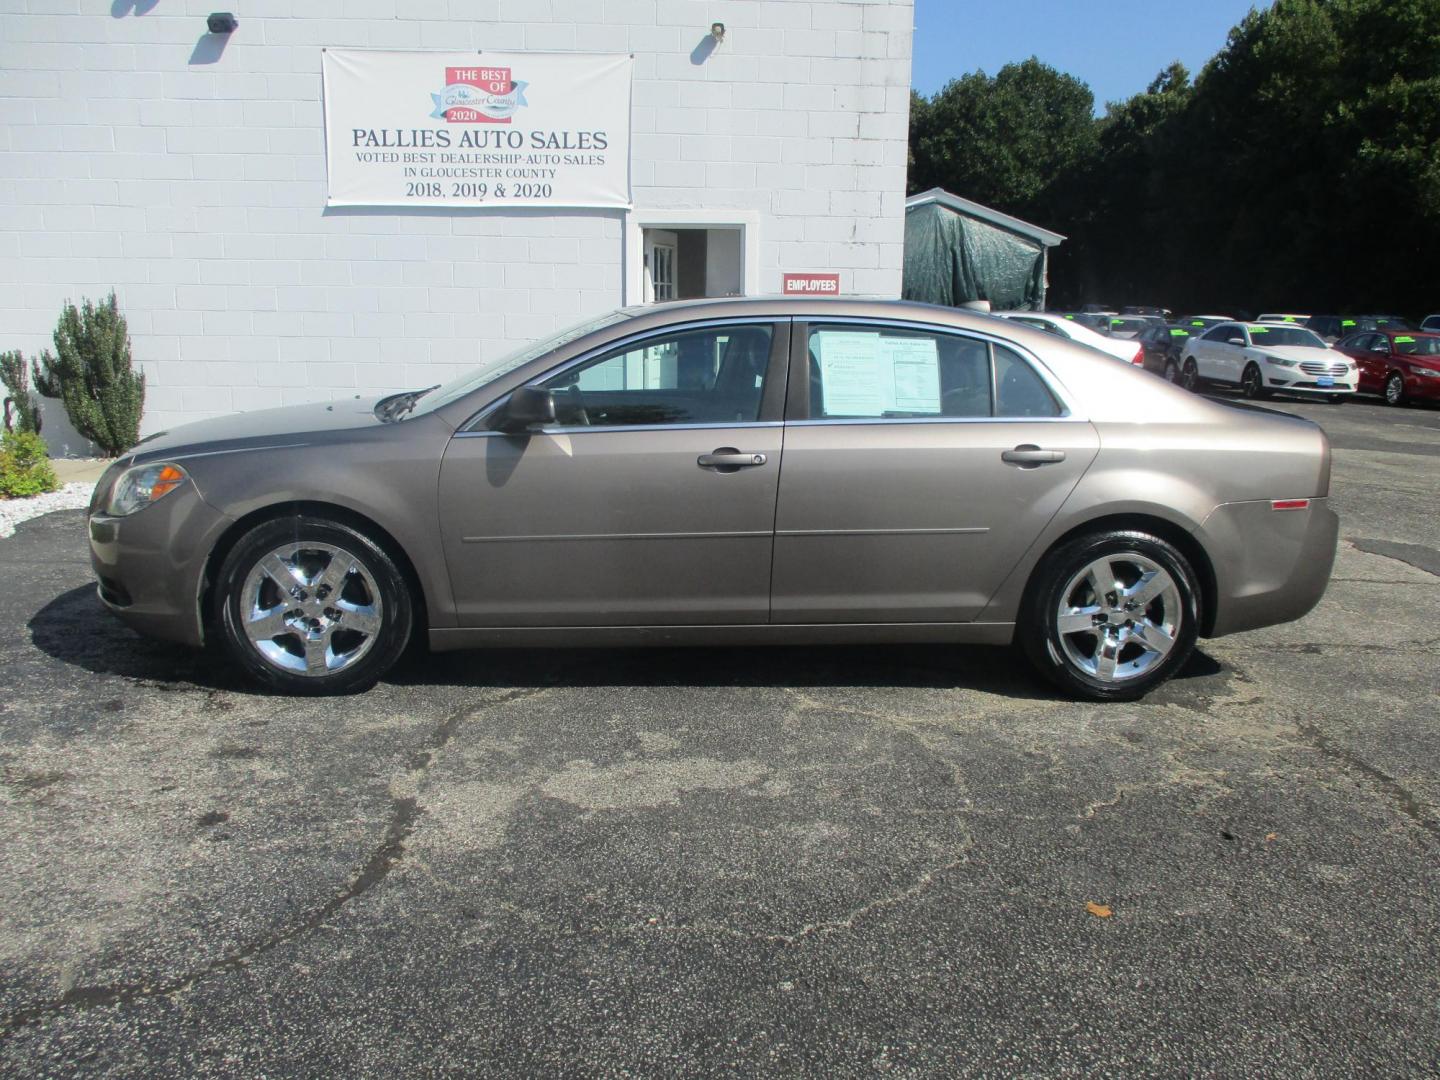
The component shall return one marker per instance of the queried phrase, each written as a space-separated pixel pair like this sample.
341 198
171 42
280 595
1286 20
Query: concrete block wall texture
187 172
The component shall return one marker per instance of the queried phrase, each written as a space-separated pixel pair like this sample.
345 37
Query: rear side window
860 373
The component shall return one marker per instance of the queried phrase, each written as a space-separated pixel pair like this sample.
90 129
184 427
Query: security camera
222 22
717 31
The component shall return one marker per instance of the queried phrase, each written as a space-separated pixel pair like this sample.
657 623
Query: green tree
1002 141
92 374
22 411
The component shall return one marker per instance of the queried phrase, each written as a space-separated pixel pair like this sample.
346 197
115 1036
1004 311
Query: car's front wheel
1395 389
1252 383
1190 375
1111 615
307 605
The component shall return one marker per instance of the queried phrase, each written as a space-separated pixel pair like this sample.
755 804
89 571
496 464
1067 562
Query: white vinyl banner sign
477 129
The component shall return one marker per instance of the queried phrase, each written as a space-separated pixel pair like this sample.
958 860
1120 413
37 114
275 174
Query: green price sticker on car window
1289 318
1197 322
1404 341
1069 316
1259 330
1347 322
1179 333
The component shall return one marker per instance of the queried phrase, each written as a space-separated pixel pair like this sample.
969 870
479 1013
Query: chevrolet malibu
744 472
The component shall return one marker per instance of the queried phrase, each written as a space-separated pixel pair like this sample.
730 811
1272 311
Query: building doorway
691 263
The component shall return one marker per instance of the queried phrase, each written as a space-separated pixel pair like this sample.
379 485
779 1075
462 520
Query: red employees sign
812 285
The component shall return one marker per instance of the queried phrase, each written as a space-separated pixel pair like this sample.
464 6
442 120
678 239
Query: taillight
1139 358
1289 504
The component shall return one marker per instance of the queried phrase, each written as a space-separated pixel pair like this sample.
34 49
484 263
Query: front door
920 467
651 501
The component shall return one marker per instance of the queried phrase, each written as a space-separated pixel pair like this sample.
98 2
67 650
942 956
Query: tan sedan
736 472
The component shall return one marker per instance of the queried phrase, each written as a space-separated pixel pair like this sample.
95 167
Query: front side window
714 375
1223 332
859 373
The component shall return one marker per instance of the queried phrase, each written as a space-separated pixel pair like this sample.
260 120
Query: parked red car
1401 365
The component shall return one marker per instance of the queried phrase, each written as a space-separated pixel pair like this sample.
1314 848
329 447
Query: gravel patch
74 496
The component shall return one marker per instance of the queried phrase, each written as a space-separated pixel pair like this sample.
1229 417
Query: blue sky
1117 46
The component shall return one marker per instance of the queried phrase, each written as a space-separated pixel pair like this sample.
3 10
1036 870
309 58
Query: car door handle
1029 456
728 458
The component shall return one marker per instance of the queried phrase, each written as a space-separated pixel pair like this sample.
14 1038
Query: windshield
493 369
1417 346
1267 337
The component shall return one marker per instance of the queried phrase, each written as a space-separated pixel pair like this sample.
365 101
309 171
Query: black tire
1172 372
1252 383
373 572
1038 631
1395 389
1190 377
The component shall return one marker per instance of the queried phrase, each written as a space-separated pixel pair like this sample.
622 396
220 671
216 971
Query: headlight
137 488
1428 372
1280 360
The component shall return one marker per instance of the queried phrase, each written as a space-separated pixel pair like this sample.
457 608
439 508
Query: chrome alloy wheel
1119 617
311 608
1394 388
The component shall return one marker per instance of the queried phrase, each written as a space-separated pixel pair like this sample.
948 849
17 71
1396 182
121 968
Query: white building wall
187 172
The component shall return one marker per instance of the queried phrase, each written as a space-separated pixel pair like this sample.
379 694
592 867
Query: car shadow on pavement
74 629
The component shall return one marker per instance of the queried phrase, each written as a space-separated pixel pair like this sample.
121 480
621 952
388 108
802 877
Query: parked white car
1283 318
1265 358
1431 323
1128 352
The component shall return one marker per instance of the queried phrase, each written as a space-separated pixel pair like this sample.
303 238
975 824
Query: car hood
1300 353
290 424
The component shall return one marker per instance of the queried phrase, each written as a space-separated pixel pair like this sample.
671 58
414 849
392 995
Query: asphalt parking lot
818 861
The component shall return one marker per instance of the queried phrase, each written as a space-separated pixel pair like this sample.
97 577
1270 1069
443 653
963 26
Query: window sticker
1069 316
1197 322
1404 341
1347 322
1179 333
1259 330
866 374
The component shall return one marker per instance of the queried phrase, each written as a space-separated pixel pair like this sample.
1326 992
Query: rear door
650 501
920 464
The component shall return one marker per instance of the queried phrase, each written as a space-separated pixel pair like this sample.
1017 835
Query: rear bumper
151 564
1271 566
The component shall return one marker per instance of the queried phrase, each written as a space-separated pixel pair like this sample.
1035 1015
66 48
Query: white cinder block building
187 170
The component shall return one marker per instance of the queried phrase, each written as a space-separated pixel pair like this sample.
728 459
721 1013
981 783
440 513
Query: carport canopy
957 250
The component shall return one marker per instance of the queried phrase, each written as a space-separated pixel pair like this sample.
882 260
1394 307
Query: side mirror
1381 348
528 407
1237 341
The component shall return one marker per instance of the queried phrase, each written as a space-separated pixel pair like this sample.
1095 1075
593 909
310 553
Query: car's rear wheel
1172 371
1252 383
1395 389
1111 615
307 605
1190 376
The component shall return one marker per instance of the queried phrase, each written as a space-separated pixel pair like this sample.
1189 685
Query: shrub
22 411
25 467
92 375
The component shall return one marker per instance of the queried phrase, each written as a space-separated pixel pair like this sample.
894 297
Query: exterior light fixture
222 22
717 31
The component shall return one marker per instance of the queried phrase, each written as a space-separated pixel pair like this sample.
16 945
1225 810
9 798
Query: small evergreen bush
22 411
92 375
25 467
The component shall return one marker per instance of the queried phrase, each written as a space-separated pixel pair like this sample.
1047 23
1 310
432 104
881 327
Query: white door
660 248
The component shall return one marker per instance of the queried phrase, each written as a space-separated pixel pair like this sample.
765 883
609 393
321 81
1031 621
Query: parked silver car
731 472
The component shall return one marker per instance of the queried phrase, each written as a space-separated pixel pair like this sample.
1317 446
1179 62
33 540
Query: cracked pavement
809 861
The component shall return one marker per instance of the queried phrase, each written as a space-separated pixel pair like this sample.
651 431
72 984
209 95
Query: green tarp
951 258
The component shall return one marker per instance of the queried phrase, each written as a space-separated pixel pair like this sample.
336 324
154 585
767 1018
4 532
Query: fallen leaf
1100 911
1270 837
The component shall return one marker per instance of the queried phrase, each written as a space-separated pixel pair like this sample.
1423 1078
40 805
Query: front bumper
1292 383
1271 566
151 564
